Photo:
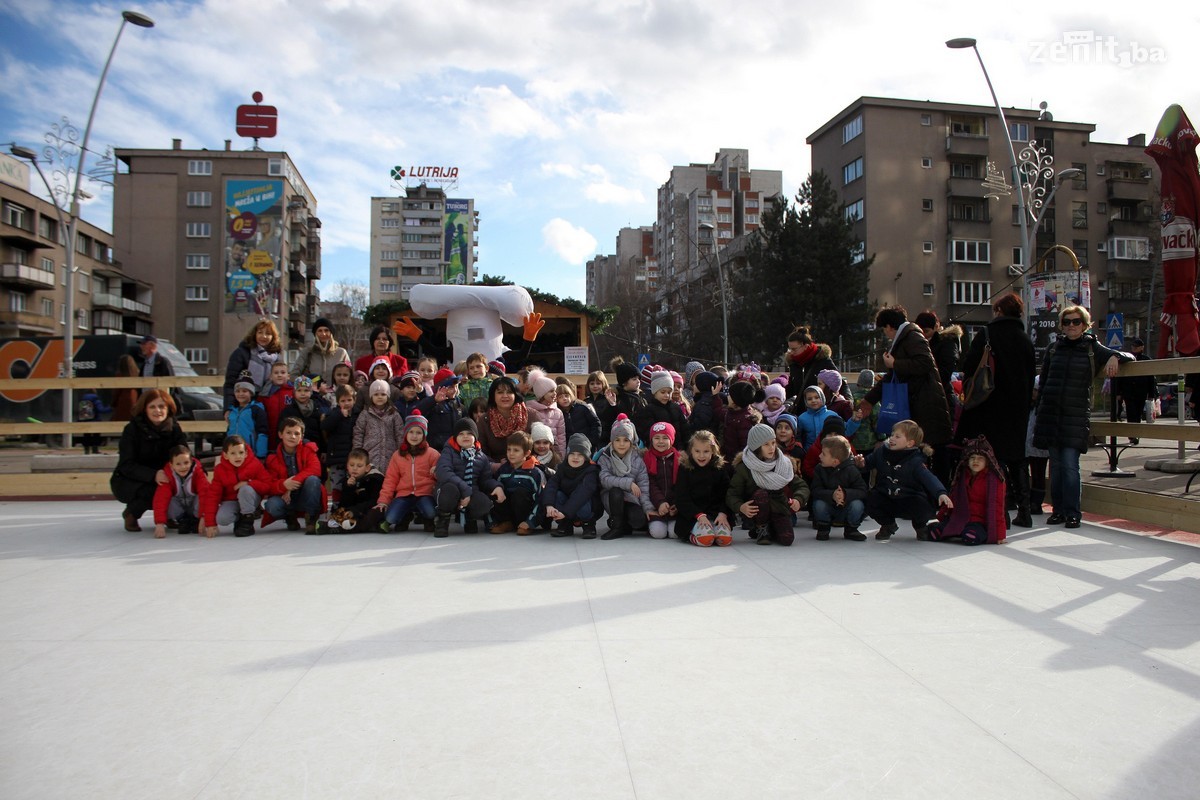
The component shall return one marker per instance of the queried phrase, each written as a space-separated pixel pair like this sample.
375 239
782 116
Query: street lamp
708 226
141 21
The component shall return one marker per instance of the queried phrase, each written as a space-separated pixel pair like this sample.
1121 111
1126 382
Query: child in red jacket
276 396
409 485
179 498
978 494
295 469
238 484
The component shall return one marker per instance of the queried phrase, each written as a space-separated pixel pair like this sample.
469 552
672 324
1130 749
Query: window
196 355
18 256
1019 131
852 171
389 208
1018 256
100 286
852 129
390 255
390 223
1078 214
195 324
926 120
199 199
16 301
100 252
64 275
199 230
962 169
726 218
1080 179
62 313
926 247
1101 208
48 264
389 272
81 319
195 293
83 282
967 211
854 211
47 307
1080 246
198 261
1129 247
967 126
46 227
927 204
199 168
413 237
388 288
751 219
927 289
970 251
14 215
275 167
926 163
971 293
858 252
1101 169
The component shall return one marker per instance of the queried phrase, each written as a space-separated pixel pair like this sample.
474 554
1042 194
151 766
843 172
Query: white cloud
500 112
608 192
571 243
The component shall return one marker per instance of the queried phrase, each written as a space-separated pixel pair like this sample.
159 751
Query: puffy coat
662 412
813 420
1004 415
915 366
361 496
315 361
801 376
551 416
708 414
140 455
225 478
250 423
738 422
408 476
442 418
452 468
581 487
904 473
945 346
663 472
699 490
308 464
1064 401
742 487
581 418
162 496
379 434
638 474
338 431
826 480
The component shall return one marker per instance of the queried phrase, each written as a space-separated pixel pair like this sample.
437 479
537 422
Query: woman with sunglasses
1064 406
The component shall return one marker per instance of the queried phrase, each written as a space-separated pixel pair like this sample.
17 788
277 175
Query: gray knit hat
866 379
579 443
623 427
759 435
661 380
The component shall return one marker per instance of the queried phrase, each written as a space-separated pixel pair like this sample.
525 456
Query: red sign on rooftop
257 121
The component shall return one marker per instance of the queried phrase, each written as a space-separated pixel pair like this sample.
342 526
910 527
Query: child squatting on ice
905 488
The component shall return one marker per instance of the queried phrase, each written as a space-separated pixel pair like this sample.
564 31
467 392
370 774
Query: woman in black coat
142 454
1004 416
805 360
945 344
256 354
1064 405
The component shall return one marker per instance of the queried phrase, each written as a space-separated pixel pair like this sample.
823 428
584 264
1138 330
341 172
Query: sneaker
704 538
500 527
564 528
854 535
762 535
385 528
885 533
724 537
822 534
293 524
589 530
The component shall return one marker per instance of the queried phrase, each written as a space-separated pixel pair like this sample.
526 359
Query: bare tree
343 304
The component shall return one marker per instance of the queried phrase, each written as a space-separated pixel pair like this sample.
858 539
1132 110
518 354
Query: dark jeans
305 500
449 496
851 514
518 507
886 510
586 514
399 508
1065 485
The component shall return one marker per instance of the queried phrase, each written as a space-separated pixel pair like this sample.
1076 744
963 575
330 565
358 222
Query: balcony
296 314
25 322
25 276
1129 227
1128 189
105 300
313 271
967 144
969 228
964 187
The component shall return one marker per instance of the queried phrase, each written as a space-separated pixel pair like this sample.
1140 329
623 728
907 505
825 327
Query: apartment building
33 269
921 181
421 237
632 270
227 237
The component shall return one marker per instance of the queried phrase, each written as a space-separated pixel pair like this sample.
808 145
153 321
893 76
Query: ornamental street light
712 252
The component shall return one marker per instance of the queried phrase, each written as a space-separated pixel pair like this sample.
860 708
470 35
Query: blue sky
563 117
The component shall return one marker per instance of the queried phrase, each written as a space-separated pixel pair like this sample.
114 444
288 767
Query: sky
562 117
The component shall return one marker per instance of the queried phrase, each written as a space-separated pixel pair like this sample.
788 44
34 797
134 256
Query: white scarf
769 475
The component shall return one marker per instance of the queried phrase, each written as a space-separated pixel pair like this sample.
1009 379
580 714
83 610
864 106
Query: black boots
441 526
244 526
618 525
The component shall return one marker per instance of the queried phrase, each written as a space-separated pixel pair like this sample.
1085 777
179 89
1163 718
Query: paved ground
1064 664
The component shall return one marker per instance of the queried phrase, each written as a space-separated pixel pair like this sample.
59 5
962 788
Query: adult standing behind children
1064 405
382 344
805 360
144 447
910 361
256 355
149 363
945 344
1004 416
319 359
506 414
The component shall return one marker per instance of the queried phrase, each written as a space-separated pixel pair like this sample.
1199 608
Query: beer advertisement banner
456 240
253 246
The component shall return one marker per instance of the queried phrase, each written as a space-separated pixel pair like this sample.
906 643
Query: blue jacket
903 473
250 423
811 422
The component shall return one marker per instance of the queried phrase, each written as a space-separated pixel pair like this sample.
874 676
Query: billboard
253 246
456 240
1047 294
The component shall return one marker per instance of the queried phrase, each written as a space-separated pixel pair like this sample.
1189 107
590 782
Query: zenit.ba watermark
1089 47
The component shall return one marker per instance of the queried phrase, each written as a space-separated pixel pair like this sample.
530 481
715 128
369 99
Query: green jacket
742 487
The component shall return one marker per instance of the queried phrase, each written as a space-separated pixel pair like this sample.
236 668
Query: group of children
400 450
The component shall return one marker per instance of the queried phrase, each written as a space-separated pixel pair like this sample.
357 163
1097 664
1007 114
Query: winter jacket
364 494
141 453
528 477
452 469
826 480
472 388
945 346
320 363
699 490
308 464
708 414
408 476
250 423
279 398
406 407
904 473
638 474
803 375
813 420
339 436
811 459
1064 401
581 487
662 412
738 422
915 366
663 472
581 418
977 498
398 363
1003 417
742 487
195 483
225 478
1139 388
442 418
312 422
379 434
239 362
551 416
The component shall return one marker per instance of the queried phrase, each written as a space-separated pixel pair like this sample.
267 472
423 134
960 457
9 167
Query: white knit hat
661 380
540 431
380 387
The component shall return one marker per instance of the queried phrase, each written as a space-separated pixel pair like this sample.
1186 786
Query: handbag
983 381
893 406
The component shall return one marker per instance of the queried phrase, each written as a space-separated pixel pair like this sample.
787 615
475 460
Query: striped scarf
469 462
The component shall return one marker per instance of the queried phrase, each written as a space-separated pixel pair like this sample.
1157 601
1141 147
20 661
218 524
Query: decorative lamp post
712 252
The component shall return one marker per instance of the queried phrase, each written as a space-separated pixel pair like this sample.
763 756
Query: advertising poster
1047 293
253 246
456 240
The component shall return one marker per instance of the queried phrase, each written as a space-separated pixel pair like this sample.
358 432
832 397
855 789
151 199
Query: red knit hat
445 377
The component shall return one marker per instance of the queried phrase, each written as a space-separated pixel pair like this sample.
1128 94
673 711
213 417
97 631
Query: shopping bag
1150 411
893 406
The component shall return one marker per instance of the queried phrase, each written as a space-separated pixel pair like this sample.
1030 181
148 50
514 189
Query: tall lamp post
141 21
708 226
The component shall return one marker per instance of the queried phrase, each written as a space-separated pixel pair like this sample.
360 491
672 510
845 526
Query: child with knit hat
411 392
785 435
978 494
625 398
543 447
662 468
624 482
831 384
772 406
572 493
409 481
708 406
464 481
443 408
765 488
248 418
543 408
309 408
379 429
813 417
660 407
740 417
